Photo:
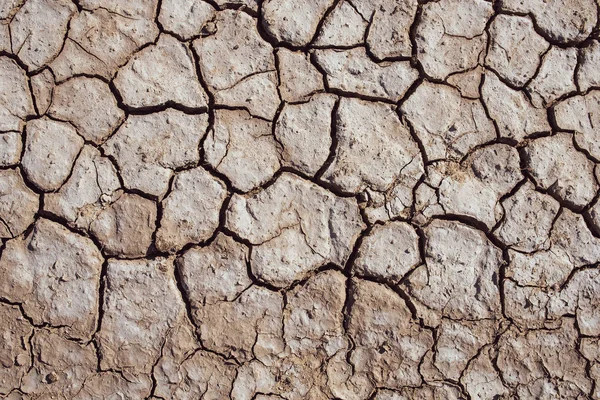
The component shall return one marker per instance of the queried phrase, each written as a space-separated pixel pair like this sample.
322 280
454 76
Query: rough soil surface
299 199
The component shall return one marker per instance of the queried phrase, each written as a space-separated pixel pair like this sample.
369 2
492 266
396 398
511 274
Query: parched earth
299 199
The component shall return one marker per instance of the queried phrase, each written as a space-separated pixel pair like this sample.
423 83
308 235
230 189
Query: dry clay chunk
15 98
256 93
42 88
450 36
142 305
93 184
555 77
353 71
293 21
374 147
558 167
389 29
447 124
11 146
565 21
89 105
51 148
581 114
304 132
47 270
18 204
514 115
15 359
103 39
529 216
487 175
191 211
125 227
295 227
588 74
242 148
533 363
388 251
38 29
343 27
389 344
248 327
234 52
515 48
217 272
460 276
185 18
298 77
160 74
66 369
147 148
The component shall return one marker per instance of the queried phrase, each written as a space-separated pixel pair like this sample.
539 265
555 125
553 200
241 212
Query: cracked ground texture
299 199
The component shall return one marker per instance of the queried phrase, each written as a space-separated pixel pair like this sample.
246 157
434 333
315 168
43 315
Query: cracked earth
299 199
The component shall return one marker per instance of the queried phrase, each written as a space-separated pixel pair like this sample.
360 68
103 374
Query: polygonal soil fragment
373 148
460 276
103 39
18 204
482 379
488 174
248 327
298 77
60 366
304 132
147 148
295 227
457 342
11 146
564 21
191 211
42 89
49 268
217 272
581 115
581 297
447 124
353 71
14 354
390 21
293 22
343 27
588 75
242 148
38 30
256 93
450 36
529 216
389 345
234 52
51 148
558 167
89 105
533 363
92 186
201 375
159 74
435 391
140 307
15 98
555 77
125 227
512 111
515 49
388 252
185 18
